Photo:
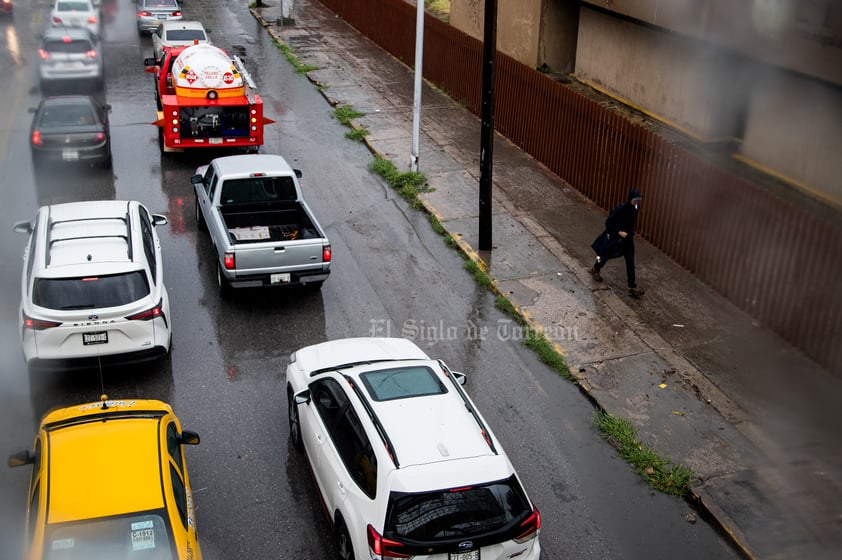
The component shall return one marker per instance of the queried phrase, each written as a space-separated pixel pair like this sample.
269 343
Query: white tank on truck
204 67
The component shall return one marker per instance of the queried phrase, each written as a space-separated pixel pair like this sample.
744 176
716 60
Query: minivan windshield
90 292
456 512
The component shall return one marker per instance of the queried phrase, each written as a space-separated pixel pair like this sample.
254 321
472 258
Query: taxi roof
104 462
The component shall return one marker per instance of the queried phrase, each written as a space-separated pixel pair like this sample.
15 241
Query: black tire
344 548
294 422
200 219
224 287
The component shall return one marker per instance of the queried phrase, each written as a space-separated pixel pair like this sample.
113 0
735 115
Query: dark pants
628 255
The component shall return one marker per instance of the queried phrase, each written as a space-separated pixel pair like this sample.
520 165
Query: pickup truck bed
250 223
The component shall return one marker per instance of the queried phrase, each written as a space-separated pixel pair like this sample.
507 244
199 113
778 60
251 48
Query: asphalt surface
704 384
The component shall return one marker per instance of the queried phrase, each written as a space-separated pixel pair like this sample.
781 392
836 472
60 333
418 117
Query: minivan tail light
229 261
384 548
530 526
148 314
327 254
37 324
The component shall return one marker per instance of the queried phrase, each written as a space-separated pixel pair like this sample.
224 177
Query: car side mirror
302 397
21 458
188 437
158 219
197 179
23 227
149 61
298 173
460 378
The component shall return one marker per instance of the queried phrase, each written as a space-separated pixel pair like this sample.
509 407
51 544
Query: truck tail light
530 526
326 253
384 548
229 261
37 324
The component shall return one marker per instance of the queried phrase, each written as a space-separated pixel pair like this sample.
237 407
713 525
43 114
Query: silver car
77 13
150 14
177 34
69 56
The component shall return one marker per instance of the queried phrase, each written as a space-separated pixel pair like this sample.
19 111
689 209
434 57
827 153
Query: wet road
391 276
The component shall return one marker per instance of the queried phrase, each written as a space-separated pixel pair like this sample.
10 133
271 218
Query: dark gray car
71 128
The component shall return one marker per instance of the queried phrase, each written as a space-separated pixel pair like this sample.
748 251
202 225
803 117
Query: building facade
761 78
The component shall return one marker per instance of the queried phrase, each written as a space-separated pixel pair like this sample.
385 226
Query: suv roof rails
127 237
381 431
485 433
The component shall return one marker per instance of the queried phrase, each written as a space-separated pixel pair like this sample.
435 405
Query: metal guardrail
779 261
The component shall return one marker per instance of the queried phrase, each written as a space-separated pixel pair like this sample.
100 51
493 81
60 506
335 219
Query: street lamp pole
419 71
486 156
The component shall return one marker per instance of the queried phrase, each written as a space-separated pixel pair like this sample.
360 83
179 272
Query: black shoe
636 292
595 274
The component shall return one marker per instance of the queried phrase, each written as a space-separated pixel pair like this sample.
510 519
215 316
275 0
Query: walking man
618 239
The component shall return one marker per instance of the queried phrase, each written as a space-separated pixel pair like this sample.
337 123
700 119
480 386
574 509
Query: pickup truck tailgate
290 256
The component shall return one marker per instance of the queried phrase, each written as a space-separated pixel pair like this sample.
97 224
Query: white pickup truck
262 230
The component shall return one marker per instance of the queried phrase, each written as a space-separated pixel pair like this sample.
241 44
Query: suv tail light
43 54
384 548
326 253
36 138
37 324
92 19
91 53
531 526
148 314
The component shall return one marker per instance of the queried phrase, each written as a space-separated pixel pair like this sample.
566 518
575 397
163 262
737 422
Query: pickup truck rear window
258 189
94 292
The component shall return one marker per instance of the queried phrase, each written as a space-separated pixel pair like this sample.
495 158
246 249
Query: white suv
92 289
405 464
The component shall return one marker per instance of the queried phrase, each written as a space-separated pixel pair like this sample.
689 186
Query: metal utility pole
419 71
486 155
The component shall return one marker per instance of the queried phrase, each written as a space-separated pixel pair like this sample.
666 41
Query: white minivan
92 288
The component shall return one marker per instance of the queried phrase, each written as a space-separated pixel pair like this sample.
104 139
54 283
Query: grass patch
344 114
438 228
292 59
661 474
479 275
409 184
357 135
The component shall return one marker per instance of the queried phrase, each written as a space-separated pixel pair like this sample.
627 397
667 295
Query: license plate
95 338
162 16
281 278
471 555
69 155
214 140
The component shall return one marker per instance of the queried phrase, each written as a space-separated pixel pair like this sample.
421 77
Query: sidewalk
705 385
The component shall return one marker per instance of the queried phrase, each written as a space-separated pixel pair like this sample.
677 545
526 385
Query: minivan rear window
90 292
456 512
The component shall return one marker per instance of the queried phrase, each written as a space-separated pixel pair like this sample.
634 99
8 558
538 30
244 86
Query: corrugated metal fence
778 261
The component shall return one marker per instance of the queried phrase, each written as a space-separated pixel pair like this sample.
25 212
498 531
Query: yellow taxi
109 481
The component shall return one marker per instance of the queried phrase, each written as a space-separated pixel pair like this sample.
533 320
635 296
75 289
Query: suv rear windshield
90 292
456 513
78 46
